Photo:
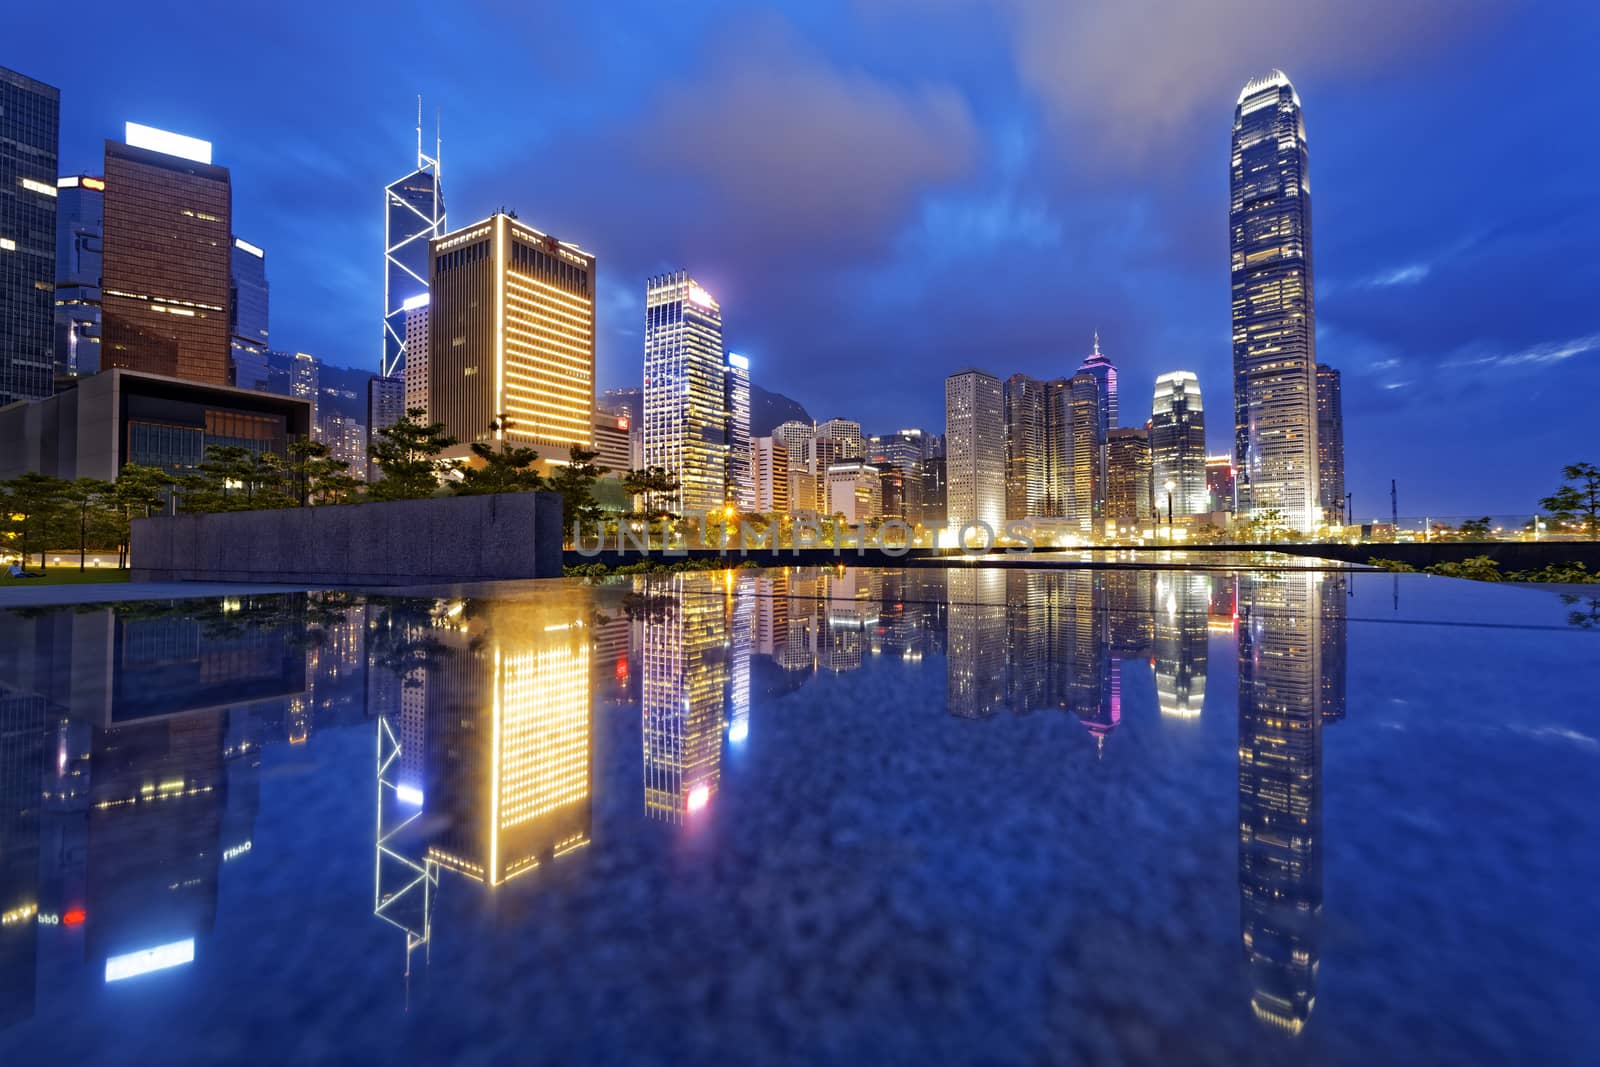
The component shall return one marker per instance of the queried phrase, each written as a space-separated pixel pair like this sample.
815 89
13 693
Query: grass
63 574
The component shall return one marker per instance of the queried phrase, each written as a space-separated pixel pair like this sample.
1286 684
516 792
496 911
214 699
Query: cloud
1139 72
1410 274
1540 355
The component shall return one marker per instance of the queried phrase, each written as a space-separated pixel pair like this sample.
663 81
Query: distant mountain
769 410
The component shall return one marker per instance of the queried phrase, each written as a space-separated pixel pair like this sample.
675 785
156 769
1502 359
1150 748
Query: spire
420 156
1097 342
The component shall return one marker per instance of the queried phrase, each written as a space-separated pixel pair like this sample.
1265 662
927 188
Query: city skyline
1128 245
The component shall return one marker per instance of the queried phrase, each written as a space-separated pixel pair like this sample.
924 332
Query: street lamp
1171 485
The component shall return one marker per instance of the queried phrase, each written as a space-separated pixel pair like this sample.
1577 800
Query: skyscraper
1219 483
305 382
798 440
975 449
415 375
685 390
769 474
247 315
1178 445
30 123
167 264
511 333
1274 321
80 228
1330 443
740 491
413 216
1084 499
1128 492
386 405
1099 366
1024 398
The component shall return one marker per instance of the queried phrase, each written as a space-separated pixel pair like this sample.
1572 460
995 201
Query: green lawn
66 575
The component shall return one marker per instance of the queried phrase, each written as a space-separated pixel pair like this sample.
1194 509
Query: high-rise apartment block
1128 477
1178 446
685 390
30 125
1330 444
975 449
769 474
511 338
1274 313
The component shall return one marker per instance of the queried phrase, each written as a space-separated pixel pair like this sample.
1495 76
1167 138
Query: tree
652 483
85 501
407 454
32 502
316 477
507 469
1474 529
233 478
138 489
1579 499
575 482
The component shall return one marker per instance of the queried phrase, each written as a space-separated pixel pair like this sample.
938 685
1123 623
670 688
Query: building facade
739 491
80 245
1084 499
30 134
415 374
1099 367
1274 313
1128 477
769 474
413 217
511 336
386 405
1220 483
975 449
1025 447
855 491
611 441
305 382
1178 446
1330 444
685 390
247 313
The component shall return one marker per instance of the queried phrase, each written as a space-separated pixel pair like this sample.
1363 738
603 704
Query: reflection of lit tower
1182 602
509 738
684 693
1280 792
975 661
22 733
742 616
850 608
1091 694
1332 665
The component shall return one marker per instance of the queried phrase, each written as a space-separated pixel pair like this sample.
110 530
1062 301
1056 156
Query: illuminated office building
975 660
904 449
769 473
1219 483
167 266
739 491
346 439
798 442
510 739
1178 446
975 449
611 441
386 405
1025 447
1128 477
855 491
1083 501
305 383
247 315
30 122
1274 315
415 375
685 391
413 216
832 442
511 333
1098 366
684 694
1330 443
1280 792
80 227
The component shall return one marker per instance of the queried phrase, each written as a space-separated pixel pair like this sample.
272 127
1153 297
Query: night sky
881 192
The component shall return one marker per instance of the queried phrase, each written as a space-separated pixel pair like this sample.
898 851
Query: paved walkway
23 595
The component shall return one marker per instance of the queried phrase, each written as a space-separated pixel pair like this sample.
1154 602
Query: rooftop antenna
420 156
1097 342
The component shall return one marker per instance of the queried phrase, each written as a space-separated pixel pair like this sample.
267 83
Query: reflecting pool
996 815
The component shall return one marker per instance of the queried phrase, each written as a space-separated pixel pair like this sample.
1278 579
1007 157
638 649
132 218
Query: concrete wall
407 542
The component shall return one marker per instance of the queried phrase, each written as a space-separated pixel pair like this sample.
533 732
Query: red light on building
74 917
622 668
622 422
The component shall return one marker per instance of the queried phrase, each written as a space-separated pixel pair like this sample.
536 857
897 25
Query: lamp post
1170 486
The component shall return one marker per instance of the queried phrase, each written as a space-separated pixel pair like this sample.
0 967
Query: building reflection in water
685 652
1291 643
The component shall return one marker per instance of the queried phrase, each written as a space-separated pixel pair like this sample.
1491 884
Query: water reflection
133 737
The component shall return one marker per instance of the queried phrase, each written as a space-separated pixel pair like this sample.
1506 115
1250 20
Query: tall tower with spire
413 214
1099 366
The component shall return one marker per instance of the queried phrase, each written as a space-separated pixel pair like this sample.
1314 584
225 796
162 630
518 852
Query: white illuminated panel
411 303
69 182
133 964
408 794
167 143
245 246
742 362
7 244
38 187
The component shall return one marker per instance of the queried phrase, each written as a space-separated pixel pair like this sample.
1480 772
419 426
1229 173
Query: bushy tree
407 455
575 482
1578 499
655 485
315 477
85 505
33 503
138 491
506 469
232 478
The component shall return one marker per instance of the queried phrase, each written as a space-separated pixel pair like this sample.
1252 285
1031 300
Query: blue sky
884 191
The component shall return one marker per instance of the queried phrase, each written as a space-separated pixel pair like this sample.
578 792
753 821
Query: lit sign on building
167 143
699 296
742 362
133 964
245 246
411 303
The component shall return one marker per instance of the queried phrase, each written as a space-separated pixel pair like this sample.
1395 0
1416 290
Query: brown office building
166 267
511 332
1128 476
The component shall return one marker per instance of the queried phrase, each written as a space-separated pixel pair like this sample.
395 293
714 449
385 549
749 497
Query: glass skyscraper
1274 325
1099 366
413 215
1330 442
247 315
685 390
30 126
975 450
80 244
741 490
1178 445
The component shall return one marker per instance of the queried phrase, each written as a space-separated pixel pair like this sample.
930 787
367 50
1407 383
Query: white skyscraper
685 391
975 449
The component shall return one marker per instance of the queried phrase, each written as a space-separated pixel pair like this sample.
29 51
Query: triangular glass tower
413 214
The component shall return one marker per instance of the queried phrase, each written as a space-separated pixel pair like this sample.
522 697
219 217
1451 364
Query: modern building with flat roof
97 425
30 122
